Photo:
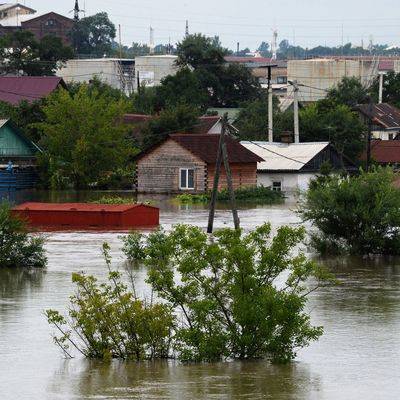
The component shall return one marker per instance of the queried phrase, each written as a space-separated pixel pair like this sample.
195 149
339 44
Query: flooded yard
358 357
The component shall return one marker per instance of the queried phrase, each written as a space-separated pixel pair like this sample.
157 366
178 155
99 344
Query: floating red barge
72 216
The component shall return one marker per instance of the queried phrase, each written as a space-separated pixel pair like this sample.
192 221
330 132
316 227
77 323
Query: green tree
227 295
94 35
356 214
84 137
391 89
226 85
17 247
349 92
25 116
21 53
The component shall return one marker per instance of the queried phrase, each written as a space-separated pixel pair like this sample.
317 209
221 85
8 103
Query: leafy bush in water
108 321
114 200
257 193
357 214
17 247
237 296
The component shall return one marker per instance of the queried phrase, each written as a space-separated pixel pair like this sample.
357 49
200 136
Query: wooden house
186 163
17 158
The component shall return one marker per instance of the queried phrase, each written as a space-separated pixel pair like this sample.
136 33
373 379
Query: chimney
287 137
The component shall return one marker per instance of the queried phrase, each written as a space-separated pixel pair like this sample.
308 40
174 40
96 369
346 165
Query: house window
277 186
50 22
390 136
281 80
186 179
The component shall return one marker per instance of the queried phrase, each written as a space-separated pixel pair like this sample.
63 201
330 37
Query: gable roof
282 156
8 6
14 89
205 147
383 114
31 145
385 151
51 13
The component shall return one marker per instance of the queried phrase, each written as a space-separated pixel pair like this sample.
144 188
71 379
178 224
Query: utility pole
296 111
270 107
370 110
187 29
120 41
381 74
151 45
222 155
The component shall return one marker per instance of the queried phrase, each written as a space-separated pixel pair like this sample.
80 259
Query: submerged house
17 158
290 167
186 163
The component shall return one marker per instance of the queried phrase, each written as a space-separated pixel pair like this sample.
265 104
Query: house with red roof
14 89
385 152
187 163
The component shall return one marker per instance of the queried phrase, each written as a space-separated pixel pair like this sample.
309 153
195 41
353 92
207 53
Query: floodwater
358 356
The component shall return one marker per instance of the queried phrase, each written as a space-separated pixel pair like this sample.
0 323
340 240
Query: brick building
186 163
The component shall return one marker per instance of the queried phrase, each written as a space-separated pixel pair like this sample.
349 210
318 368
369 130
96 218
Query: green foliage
20 52
182 118
94 35
261 194
229 293
84 137
146 101
391 88
24 115
349 92
17 248
356 214
225 85
114 200
107 320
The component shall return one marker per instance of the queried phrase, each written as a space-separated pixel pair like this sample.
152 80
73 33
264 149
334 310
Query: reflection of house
186 163
385 120
291 166
17 158
14 89
119 73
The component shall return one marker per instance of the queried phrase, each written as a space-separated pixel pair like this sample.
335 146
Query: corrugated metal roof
383 114
282 156
14 89
3 122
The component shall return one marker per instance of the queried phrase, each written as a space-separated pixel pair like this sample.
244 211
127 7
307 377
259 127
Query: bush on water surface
357 214
237 296
17 247
257 193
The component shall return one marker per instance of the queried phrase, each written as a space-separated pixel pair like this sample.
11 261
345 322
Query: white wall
291 182
152 69
384 135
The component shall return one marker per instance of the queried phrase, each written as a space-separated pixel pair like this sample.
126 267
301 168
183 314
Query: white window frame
186 187
275 189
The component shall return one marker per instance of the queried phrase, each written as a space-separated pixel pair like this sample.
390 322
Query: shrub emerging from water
17 247
357 214
258 194
238 296
114 200
107 320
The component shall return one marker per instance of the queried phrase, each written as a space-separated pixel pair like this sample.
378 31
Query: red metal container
72 216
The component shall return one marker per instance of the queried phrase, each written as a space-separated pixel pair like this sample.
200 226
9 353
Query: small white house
289 167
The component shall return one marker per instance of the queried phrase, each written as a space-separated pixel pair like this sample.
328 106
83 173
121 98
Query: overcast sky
304 22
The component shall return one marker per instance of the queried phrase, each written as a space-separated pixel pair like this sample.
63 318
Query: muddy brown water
358 356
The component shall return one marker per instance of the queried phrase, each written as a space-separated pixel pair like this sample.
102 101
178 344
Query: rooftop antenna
151 45
274 44
187 29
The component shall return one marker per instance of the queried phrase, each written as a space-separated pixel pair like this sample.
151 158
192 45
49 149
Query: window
277 186
186 179
50 22
281 80
390 136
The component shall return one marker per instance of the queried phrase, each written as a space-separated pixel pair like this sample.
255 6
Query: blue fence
17 180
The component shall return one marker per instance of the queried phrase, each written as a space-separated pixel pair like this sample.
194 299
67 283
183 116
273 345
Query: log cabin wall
243 175
159 170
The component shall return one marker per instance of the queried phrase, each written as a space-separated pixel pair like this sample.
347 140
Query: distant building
14 89
50 24
186 163
385 120
12 11
119 73
150 70
385 153
17 158
289 167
